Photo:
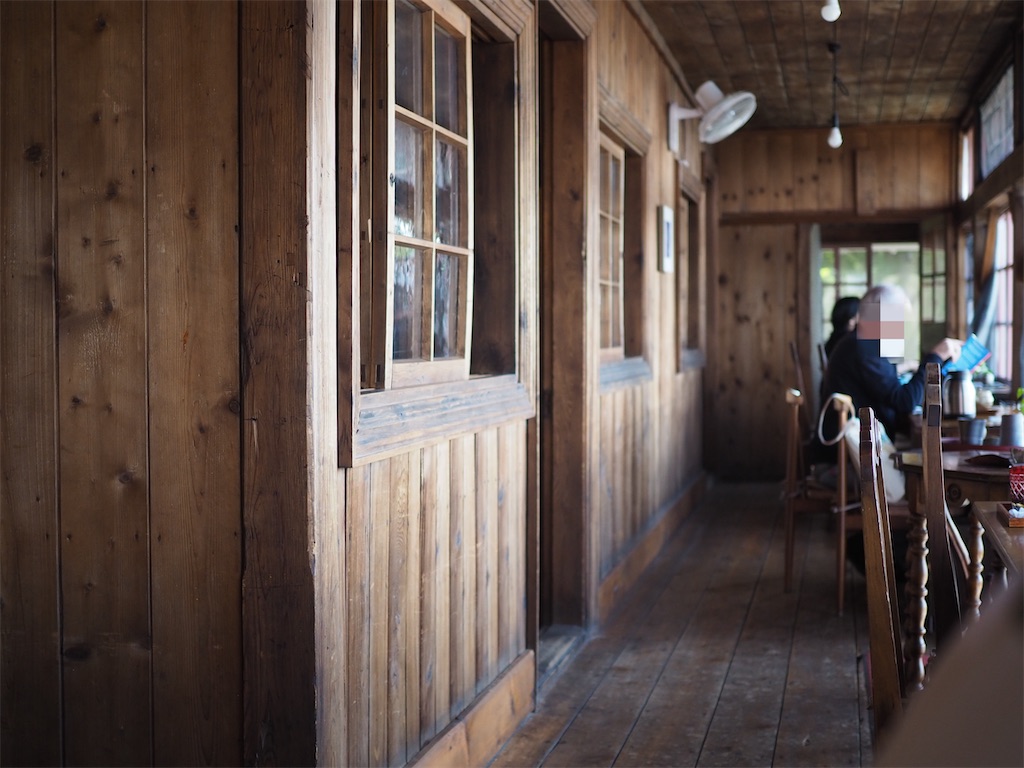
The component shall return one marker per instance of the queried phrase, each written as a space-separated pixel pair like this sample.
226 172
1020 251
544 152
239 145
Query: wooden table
964 482
980 488
1005 542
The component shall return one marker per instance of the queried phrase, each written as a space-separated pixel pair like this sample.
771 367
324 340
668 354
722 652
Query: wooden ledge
397 421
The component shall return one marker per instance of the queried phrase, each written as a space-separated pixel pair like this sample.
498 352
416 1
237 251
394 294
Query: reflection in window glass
409 201
408 334
997 124
447 82
408 56
1001 362
612 190
448 172
446 306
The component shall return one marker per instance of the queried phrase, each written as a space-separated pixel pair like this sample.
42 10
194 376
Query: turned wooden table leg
976 551
916 593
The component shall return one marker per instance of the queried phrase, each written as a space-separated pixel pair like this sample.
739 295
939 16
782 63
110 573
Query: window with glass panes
997 124
417 272
933 285
612 224
1001 362
849 270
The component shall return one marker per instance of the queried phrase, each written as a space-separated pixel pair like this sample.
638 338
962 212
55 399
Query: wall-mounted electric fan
720 115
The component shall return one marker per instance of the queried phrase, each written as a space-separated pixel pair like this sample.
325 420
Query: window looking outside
690 269
1001 362
997 124
933 285
422 256
851 270
610 210
967 164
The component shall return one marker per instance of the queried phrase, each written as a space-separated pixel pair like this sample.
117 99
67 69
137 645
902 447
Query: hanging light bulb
835 136
830 10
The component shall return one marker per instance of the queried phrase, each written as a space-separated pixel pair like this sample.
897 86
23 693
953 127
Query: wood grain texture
30 686
195 506
277 588
102 393
879 170
756 294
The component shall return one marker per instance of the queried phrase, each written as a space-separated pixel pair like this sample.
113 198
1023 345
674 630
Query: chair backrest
884 632
943 596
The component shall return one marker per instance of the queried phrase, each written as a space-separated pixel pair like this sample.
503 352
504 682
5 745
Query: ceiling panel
900 60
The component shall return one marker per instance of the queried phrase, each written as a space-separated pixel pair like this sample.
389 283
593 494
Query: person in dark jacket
863 364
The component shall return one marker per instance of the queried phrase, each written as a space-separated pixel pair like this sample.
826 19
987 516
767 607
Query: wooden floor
709 663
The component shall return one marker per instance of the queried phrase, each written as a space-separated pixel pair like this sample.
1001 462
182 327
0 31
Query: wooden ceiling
900 60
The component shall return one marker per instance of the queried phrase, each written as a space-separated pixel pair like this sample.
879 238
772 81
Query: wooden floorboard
708 662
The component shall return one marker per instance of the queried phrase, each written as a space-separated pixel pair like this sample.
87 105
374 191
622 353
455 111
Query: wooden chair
801 493
884 634
847 510
898 656
933 586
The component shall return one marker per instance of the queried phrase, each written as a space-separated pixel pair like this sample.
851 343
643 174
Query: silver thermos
959 397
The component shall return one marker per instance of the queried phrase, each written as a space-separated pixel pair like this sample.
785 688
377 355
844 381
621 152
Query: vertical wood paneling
192 193
487 557
755 290
756 174
781 153
440 497
359 514
30 729
380 532
805 175
104 480
277 590
463 572
401 602
508 516
913 168
936 164
414 603
428 590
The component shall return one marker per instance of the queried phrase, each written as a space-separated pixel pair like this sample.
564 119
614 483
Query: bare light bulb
835 138
830 10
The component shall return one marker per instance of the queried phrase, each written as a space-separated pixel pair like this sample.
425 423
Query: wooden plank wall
895 169
121 541
436 561
770 183
648 435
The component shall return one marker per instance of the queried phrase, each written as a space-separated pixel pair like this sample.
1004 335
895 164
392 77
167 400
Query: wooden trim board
476 735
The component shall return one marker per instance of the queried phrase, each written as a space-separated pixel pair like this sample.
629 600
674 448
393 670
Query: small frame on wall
666 239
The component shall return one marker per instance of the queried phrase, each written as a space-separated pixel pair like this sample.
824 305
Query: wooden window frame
691 274
619 126
498 384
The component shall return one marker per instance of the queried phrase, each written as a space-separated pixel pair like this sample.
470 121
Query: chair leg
787 580
841 560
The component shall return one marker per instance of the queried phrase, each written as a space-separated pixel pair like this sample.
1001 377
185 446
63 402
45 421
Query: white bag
892 476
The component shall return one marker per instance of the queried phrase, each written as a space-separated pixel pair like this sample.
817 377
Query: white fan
720 115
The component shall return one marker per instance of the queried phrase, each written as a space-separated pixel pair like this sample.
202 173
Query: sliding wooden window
417 270
612 224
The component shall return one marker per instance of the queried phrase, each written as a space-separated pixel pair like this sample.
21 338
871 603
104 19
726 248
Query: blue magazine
973 354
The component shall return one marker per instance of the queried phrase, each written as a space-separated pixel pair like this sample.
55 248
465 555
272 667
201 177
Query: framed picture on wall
666 239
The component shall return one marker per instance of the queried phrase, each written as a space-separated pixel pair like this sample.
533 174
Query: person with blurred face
863 364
